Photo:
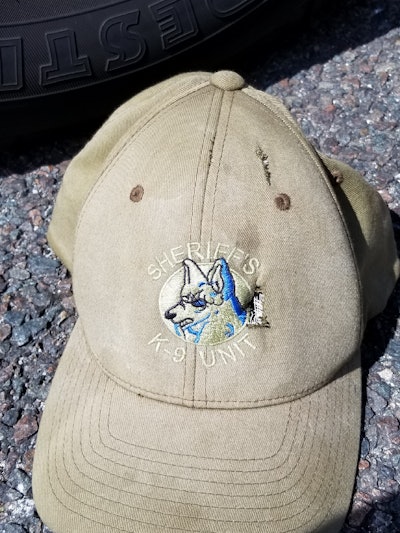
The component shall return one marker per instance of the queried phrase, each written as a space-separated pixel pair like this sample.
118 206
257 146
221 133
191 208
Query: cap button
227 80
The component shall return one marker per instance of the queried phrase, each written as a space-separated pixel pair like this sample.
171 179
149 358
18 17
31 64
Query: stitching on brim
89 394
241 460
155 512
196 493
196 480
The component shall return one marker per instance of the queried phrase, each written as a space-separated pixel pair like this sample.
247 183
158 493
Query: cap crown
210 197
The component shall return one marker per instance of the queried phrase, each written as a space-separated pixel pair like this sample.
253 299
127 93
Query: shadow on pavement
341 25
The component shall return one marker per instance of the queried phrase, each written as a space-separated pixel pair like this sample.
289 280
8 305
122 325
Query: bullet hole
265 163
255 313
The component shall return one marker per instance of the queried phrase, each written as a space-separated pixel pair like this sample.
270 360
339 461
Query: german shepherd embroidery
208 311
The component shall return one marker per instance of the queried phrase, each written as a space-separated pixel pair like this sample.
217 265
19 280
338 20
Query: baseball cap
223 272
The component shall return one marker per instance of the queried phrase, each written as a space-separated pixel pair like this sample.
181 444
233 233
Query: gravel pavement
340 77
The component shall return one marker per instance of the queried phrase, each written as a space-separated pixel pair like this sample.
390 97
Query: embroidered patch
205 303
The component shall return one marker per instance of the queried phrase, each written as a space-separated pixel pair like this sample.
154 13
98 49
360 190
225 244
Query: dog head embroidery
207 309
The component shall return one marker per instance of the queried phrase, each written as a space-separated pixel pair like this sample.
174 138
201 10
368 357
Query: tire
67 63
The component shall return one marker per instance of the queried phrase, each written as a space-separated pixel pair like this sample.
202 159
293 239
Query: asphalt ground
339 74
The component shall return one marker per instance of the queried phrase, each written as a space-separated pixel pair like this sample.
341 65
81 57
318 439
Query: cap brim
109 460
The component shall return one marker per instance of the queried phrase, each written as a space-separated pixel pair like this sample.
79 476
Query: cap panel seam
216 95
229 95
220 94
198 165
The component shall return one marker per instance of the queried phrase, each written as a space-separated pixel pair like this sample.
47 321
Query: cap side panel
282 113
85 168
371 228
176 84
136 347
120 149
374 254
305 271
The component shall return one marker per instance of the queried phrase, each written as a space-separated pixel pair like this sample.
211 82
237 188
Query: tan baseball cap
223 272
